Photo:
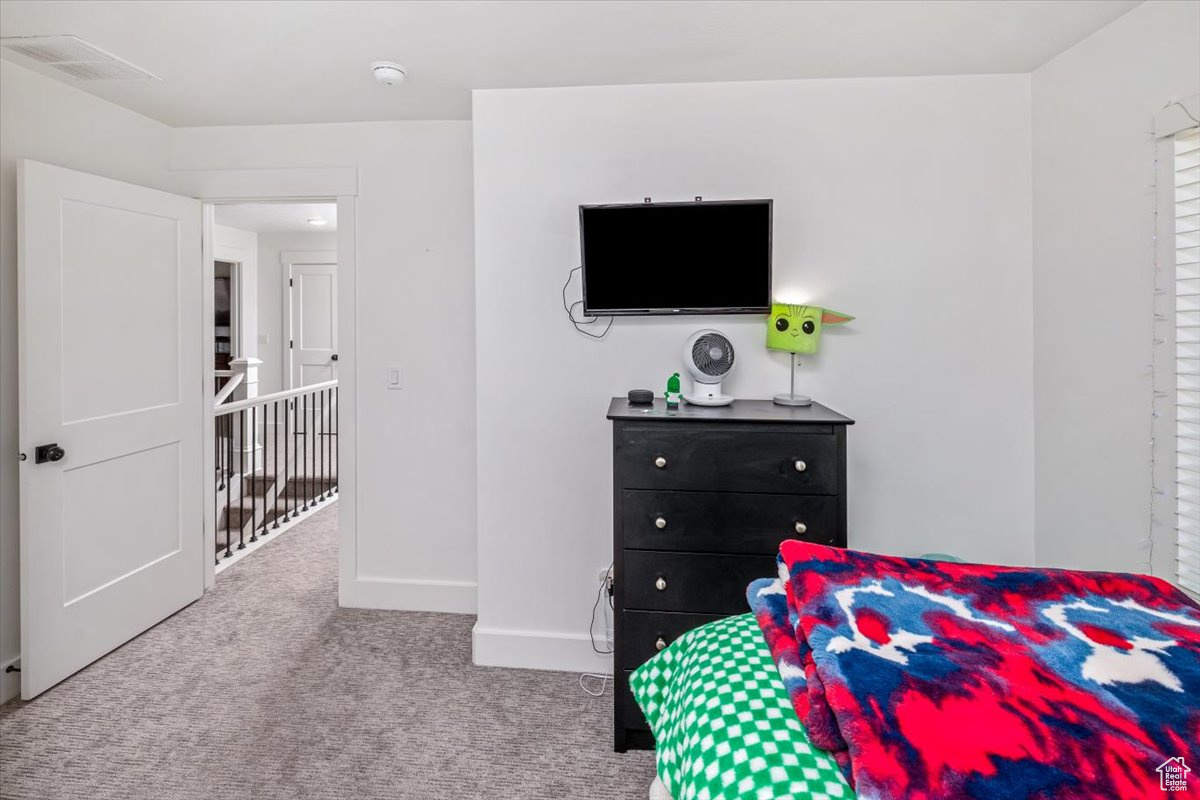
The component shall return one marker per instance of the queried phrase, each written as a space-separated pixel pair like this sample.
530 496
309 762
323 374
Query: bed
897 678
724 723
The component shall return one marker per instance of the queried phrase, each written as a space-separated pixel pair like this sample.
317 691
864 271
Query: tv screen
676 258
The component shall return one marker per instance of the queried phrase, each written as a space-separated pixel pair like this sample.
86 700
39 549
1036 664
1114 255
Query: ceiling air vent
77 58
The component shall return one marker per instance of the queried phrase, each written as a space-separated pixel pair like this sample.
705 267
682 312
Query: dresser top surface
739 411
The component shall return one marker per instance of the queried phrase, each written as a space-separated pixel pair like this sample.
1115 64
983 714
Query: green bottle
673 391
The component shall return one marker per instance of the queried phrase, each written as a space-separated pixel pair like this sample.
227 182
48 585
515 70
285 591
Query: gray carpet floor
265 689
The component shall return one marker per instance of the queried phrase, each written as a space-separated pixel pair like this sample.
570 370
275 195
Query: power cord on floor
604 678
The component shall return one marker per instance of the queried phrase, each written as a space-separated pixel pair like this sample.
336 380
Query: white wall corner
409 594
518 649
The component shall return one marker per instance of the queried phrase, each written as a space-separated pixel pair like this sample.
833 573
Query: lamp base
792 400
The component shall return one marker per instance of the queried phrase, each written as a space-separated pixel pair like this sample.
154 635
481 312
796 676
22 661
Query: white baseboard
409 594
10 682
563 652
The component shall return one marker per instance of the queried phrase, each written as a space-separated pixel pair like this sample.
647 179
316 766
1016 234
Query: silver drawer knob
661 584
660 644
660 523
800 466
660 462
801 527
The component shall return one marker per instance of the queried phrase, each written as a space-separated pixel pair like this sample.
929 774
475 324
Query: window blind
1187 356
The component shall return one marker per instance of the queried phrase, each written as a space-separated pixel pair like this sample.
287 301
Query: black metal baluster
329 445
242 478
321 444
337 425
253 473
228 420
217 493
220 451
287 478
311 449
320 449
304 477
316 481
275 465
295 455
316 447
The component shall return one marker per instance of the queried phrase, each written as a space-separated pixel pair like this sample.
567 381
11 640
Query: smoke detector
77 58
388 72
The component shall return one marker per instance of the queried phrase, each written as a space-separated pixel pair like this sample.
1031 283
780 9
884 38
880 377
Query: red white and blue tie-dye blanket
931 680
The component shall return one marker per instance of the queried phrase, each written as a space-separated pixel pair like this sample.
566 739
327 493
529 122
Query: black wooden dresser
702 497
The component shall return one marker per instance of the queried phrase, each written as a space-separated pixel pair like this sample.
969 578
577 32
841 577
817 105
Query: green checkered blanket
723 725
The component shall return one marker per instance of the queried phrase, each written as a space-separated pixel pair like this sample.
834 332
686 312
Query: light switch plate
394 378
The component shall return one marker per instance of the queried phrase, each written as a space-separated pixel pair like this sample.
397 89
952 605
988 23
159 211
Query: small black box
641 397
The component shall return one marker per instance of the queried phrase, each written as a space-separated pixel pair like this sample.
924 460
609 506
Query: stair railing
276 458
228 386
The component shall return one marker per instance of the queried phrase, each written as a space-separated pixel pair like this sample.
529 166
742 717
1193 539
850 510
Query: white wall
44 120
1093 161
416 446
272 282
905 202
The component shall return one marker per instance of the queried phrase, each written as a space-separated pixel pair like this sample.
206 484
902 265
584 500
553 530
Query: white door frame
287 259
217 187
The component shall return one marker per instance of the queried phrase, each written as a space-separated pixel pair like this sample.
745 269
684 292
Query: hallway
264 690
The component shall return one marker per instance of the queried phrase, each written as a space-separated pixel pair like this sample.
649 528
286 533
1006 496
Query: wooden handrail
226 390
251 402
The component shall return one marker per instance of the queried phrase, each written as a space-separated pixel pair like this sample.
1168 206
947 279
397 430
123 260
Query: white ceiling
243 62
278 217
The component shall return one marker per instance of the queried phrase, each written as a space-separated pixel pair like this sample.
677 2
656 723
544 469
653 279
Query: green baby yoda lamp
797 329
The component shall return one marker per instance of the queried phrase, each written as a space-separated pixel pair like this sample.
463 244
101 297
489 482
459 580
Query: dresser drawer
727 460
720 522
695 582
641 631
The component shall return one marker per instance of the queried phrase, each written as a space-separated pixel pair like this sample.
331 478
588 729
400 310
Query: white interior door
312 303
111 351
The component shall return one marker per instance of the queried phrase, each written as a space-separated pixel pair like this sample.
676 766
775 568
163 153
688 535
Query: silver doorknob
800 466
660 644
660 462
661 584
660 523
801 527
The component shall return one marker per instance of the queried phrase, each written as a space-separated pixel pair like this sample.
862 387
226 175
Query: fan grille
712 354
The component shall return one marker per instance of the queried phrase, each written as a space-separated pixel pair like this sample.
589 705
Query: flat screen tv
711 257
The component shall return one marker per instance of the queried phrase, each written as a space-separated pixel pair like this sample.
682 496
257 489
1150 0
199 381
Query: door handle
48 452
333 357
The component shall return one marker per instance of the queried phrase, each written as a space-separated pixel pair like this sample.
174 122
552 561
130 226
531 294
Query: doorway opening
274 443
118 458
